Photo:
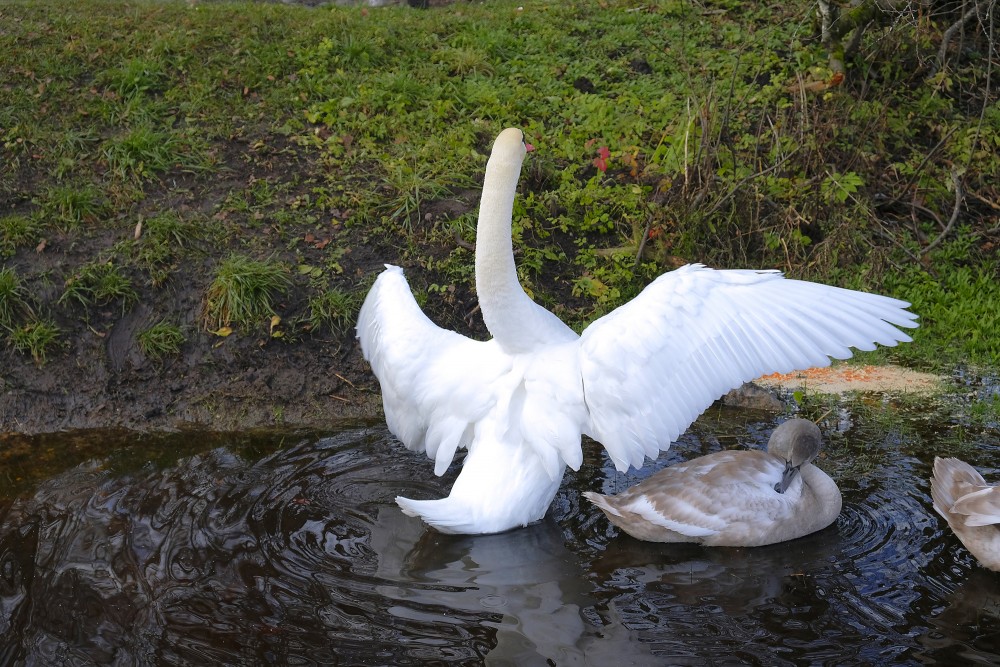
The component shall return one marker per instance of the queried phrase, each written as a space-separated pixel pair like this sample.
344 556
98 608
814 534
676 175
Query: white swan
970 506
733 498
634 380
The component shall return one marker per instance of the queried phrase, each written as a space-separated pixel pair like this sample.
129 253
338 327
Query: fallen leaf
223 331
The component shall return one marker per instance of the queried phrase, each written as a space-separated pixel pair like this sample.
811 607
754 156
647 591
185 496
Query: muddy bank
221 385
235 384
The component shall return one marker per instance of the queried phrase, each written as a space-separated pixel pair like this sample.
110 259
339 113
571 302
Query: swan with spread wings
633 380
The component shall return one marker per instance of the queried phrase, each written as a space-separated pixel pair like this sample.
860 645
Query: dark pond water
207 549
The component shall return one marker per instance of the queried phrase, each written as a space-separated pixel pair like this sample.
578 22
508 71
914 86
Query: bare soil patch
846 378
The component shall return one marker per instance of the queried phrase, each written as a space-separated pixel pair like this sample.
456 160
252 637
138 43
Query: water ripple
300 556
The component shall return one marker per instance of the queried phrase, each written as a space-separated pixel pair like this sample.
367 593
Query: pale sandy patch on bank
845 378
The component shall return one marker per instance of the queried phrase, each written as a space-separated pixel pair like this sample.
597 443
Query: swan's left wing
653 365
436 384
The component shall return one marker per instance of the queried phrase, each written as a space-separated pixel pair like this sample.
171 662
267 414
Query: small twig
822 416
468 315
345 380
645 237
884 233
649 227
959 198
463 243
989 202
746 180
920 167
949 33
929 212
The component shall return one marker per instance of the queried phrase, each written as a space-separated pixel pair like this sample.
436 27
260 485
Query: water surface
288 549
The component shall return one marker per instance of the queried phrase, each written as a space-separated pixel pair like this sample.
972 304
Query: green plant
36 337
334 309
134 77
165 236
99 283
162 339
242 291
74 204
411 186
145 151
13 298
15 231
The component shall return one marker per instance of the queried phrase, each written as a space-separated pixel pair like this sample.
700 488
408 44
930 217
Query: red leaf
601 161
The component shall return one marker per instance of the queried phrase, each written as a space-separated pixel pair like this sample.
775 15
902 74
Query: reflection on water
287 550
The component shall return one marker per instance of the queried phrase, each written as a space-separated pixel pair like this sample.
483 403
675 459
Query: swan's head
509 148
796 442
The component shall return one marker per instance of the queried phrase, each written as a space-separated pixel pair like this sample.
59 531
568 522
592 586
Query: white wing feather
436 384
653 365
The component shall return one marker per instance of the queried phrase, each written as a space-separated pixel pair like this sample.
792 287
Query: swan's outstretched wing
653 365
436 384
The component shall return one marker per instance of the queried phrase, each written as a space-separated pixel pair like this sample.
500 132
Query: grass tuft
143 152
160 340
242 291
73 205
134 77
16 231
37 338
99 283
13 298
334 309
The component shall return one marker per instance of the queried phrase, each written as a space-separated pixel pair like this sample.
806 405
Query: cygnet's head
796 442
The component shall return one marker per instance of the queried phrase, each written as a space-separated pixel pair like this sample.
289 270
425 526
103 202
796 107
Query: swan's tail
445 515
602 502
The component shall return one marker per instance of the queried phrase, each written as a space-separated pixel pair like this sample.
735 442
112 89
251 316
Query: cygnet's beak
787 475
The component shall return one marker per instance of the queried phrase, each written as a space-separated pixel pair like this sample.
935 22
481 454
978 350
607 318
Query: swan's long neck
504 304
516 322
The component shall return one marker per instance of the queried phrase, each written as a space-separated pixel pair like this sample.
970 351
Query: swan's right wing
436 384
653 365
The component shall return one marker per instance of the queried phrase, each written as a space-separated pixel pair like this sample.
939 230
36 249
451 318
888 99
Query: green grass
17 231
333 310
73 205
165 240
145 151
99 283
37 338
243 291
13 298
241 130
161 340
